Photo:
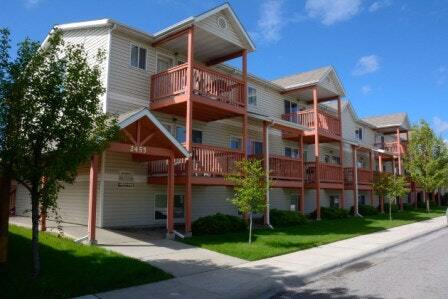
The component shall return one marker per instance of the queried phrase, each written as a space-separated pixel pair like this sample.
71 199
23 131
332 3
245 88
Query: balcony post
371 177
266 168
170 199
316 152
380 169
189 131
244 95
302 190
341 151
399 151
355 180
91 223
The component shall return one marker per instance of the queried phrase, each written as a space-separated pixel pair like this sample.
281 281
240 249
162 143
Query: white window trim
155 208
131 44
167 56
256 96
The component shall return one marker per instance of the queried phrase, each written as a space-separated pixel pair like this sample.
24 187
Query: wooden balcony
283 168
207 162
365 178
216 95
328 125
330 174
392 147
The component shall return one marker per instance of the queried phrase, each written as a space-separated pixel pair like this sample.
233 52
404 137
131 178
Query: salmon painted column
244 95
93 178
316 152
380 169
341 152
302 190
354 180
265 166
189 131
400 171
371 177
170 199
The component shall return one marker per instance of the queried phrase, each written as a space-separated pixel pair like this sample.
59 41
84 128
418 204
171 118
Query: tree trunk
35 229
390 210
382 204
426 199
250 228
5 190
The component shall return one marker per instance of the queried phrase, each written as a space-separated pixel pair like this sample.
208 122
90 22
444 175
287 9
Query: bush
395 208
281 218
331 213
365 210
218 224
408 207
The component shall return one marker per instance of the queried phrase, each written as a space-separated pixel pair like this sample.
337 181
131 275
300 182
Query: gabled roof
130 117
324 76
389 120
226 8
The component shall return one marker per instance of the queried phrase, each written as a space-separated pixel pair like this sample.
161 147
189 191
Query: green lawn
68 269
268 243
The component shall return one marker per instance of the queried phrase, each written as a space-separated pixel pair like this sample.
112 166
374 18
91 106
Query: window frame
293 150
249 96
131 45
359 134
252 148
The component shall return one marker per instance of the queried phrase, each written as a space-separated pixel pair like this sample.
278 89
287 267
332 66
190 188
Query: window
181 135
293 200
334 201
235 143
290 107
138 57
256 148
291 152
160 207
252 96
361 199
164 63
358 133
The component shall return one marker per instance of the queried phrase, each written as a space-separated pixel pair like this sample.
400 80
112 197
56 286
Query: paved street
415 270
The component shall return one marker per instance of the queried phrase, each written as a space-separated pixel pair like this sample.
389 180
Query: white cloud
440 125
366 89
271 21
367 64
377 5
442 75
332 11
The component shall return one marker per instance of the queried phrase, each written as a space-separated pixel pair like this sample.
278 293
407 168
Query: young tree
380 186
426 159
396 187
56 100
250 188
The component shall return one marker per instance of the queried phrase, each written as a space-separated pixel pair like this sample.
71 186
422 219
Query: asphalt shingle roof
387 120
304 78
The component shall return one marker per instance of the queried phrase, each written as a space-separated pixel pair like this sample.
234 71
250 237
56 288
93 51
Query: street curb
275 287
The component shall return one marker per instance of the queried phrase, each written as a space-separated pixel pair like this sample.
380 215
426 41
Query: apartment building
186 117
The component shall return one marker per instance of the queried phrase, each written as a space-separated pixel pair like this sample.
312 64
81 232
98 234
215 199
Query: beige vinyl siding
209 200
211 25
23 201
93 40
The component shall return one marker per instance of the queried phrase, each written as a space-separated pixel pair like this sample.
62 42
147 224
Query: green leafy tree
54 97
426 159
380 186
396 187
250 188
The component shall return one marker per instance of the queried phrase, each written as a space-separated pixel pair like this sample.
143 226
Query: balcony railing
206 82
392 147
283 168
364 176
207 160
328 173
327 123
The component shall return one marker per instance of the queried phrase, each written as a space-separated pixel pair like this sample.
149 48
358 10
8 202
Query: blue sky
391 55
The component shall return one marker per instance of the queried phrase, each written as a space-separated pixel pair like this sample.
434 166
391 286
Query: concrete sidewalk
149 246
254 279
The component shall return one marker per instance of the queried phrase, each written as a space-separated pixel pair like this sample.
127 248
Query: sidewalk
149 246
253 279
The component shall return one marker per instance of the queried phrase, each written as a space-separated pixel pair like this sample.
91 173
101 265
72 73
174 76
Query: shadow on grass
281 240
68 269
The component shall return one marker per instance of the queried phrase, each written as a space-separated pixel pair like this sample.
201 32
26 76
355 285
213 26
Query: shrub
218 224
331 213
281 218
395 208
365 210
408 207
